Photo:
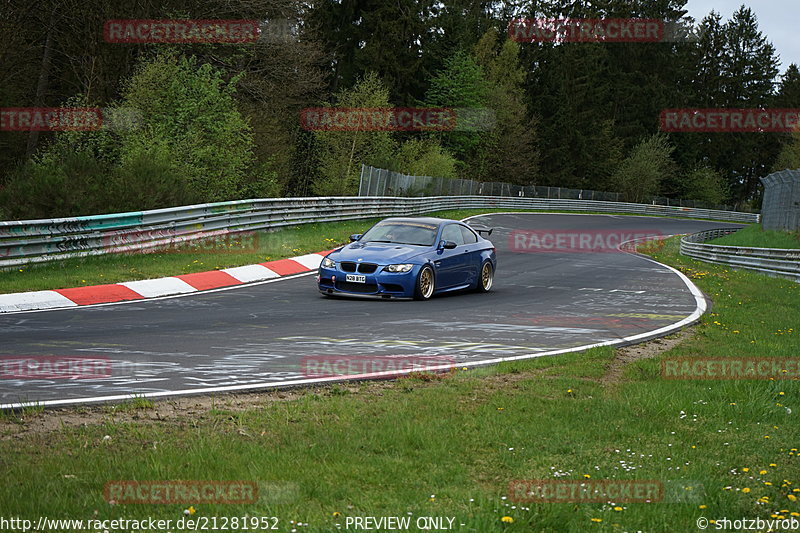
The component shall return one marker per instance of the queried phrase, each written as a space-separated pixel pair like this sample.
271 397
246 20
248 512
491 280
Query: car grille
364 268
349 286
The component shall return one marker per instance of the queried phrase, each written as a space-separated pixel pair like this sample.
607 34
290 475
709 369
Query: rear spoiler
481 229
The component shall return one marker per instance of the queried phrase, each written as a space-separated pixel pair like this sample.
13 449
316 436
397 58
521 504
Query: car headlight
328 263
405 267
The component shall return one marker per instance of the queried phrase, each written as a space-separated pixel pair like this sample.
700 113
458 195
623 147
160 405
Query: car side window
452 232
469 235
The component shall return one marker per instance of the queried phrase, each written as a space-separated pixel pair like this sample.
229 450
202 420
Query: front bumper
379 283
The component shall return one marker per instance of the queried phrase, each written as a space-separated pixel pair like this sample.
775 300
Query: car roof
424 220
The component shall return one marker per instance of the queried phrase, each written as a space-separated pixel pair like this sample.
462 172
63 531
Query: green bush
56 188
706 185
190 115
424 157
189 145
639 176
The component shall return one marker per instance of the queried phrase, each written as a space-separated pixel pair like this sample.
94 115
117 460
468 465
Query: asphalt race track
257 335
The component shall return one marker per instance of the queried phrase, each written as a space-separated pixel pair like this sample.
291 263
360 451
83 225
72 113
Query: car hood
378 252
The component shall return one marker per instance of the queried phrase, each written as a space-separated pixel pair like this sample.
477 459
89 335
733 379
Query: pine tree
511 154
461 84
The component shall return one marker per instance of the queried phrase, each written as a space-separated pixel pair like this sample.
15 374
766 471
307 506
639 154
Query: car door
472 250
451 265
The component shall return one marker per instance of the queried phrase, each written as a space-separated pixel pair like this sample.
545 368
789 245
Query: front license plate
355 278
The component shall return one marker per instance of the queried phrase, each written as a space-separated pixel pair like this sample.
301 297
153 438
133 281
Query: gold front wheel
425 284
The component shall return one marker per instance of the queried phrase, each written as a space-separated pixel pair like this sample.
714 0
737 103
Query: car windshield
415 233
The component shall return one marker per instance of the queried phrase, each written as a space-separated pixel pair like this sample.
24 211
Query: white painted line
249 273
24 301
310 261
150 288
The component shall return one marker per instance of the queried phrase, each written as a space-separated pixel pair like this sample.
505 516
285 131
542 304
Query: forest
215 121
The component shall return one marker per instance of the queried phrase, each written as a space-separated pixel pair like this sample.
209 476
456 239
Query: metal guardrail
33 241
778 262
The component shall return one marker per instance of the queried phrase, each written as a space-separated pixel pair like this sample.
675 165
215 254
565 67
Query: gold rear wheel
487 277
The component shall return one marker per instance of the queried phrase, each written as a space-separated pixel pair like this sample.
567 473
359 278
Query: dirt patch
647 350
30 422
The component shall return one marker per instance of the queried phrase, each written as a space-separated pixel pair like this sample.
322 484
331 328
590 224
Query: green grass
753 235
115 268
450 447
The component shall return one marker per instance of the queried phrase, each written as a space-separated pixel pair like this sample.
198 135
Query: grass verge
268 246
753 235
449 447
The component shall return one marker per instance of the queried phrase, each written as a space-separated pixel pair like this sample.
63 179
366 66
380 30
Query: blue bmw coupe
410 258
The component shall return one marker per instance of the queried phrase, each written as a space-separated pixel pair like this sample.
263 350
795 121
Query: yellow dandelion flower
587 476
597 519
507 520
704 507
762 472
746 490
337 514
745 469
792 497
617 508
773 465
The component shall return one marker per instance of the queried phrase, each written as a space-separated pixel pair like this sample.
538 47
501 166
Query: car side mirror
355 236
448 245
